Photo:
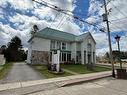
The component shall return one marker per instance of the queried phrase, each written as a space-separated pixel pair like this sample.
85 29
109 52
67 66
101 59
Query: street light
117 40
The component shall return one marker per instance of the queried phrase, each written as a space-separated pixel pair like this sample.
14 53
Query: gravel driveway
21 72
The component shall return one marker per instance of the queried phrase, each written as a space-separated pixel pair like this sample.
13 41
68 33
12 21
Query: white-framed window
52 45
64 46
58 45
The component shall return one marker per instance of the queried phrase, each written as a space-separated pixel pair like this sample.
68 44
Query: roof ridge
56 30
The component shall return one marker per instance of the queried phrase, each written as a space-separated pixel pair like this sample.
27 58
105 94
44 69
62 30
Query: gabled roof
49 33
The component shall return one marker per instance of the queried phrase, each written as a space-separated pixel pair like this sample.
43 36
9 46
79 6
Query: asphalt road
21 72
106 86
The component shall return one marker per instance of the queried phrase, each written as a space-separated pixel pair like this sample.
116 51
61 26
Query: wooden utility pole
105 17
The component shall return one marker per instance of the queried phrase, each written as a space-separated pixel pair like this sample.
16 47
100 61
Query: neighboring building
80 49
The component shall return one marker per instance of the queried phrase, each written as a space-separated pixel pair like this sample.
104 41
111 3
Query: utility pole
105 19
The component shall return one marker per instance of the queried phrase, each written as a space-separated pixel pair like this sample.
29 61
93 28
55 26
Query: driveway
21 72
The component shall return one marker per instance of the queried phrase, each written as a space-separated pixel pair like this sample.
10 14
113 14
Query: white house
79 49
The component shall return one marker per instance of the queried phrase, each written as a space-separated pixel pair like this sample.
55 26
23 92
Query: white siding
78 46
29 53
68 47
73 51
84 48
40 44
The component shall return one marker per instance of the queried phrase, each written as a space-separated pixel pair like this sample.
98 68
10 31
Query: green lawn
81 69
46 73
4 69
77 68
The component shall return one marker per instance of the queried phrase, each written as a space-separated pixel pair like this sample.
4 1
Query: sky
18 16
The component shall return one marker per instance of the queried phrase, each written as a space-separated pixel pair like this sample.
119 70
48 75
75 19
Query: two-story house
80 49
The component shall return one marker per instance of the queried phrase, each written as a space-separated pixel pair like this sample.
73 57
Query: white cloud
23 23
118 11
43 17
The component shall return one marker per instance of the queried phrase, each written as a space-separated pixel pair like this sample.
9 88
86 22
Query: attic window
89 40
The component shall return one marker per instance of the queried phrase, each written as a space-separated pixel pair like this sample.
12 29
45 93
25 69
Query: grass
4 69
45 72
77 68
81 69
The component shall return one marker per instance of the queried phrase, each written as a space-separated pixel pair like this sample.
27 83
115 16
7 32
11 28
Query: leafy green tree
13 50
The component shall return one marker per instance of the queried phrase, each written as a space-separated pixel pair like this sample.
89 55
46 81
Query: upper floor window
63 45
52 45
58 45
89 47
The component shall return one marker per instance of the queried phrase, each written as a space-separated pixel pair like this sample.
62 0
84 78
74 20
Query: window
89 47
52 45
69 57
63 56
58 45
78 57
63 45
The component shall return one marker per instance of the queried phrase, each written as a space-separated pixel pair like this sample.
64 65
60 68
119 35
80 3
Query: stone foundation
40 57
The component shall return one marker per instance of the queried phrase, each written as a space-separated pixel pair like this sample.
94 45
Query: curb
60 82
82 80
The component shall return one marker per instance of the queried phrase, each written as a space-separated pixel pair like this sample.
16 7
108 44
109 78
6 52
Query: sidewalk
124 65
57 82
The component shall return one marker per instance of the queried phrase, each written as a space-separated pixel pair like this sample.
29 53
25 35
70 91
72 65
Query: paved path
21 72
108 86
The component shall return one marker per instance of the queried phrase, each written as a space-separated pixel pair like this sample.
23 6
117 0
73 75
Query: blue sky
17 18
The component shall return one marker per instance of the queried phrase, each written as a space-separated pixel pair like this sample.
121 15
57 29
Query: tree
13 50
3 48
15 44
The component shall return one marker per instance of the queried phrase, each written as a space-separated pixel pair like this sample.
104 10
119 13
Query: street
21 72
106 86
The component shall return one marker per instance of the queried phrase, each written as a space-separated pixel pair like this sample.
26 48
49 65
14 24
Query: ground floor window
65 56
78 56
84 57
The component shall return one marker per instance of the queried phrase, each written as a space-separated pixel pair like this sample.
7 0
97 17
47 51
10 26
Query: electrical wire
64 12
118 19
118 9
61 21
54 19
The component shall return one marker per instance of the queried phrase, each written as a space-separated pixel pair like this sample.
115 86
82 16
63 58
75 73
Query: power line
119 19
61 21
54 18
118 9
64 12
115 24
